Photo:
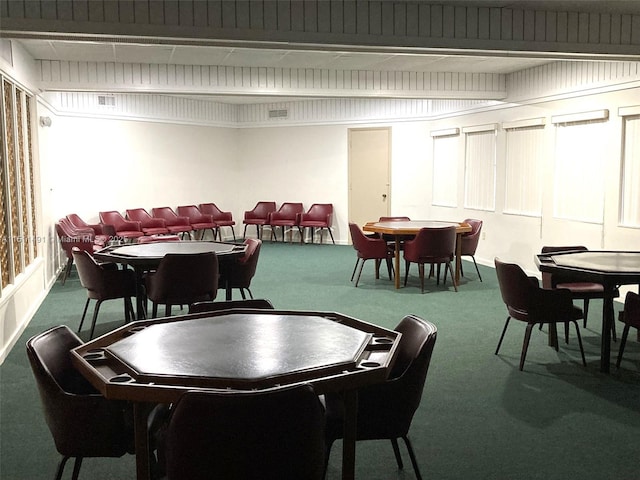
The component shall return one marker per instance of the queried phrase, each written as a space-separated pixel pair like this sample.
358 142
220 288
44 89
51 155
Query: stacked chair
124 228
199 221
174 223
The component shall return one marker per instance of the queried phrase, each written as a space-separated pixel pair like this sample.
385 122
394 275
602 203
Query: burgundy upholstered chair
103 283
69 238
470 242
82 422
183 279
257 303
527 302
269 435
173 222
198 220
239 274
258 216
579 290
369 248
320 215
222 219
126 229
288 215
103 233
432 246
630 317
150 225
386 410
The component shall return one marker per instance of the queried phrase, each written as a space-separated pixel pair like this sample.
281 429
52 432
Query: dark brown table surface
609 268
155 361
146 256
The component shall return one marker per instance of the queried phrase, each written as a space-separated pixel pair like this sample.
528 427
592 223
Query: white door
369 174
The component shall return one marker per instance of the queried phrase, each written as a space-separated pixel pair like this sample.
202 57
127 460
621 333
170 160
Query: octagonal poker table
155 361
609 268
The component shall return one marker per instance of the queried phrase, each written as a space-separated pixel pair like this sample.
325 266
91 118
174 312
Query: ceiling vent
278 113
106 100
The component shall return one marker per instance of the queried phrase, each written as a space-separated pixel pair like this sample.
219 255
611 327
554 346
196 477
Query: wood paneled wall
346 22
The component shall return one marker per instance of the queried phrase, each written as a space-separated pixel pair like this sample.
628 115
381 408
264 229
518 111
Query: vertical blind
523 183
445 171
630 188
579 172
480 169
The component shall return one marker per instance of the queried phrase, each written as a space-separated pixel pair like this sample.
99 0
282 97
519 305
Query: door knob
384 196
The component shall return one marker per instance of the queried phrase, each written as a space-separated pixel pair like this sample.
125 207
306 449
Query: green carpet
480 417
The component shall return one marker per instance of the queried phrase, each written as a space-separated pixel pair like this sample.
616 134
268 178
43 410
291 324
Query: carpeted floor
480 417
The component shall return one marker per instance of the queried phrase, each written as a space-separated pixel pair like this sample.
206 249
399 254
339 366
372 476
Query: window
523 181
630 182
17 196
445 167
480 167
578 192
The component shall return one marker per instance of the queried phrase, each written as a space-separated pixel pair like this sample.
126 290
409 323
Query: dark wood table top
612 267
156 360
152 253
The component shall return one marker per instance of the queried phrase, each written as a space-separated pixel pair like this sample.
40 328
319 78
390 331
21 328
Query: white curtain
480 170
523 189
445 171
579 177
630 196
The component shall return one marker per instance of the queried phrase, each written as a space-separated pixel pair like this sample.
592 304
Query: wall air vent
106 100
278 113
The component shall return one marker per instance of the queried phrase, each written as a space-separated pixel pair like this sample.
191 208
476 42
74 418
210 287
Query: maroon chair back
403 390
258 303
183 279
81 421
289 214
194 215
124 228
261 211
242 272
470 239
270 435
220 217
367 247
431 245
319 215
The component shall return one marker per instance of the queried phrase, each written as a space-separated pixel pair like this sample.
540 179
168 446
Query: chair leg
154 310
233 233
84 313
623 342
61 465
95 317
244 234
566 332
360 271
396 452
242 294
584 361
421 273
167 310
390 267
504 330
477 269
353 274
128 310
76 468
585 309
331 235
525 344
453 278
67 270
377 260
412 456
406 272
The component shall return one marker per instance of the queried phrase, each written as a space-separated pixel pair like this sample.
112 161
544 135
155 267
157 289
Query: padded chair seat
581 287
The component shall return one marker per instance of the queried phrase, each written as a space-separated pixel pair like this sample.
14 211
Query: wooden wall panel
410 23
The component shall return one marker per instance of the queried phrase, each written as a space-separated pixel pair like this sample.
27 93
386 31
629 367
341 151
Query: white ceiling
42 49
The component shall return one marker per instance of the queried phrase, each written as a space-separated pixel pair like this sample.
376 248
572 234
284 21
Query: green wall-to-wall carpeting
480 417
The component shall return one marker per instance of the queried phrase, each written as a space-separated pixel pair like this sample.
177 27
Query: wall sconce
45 121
